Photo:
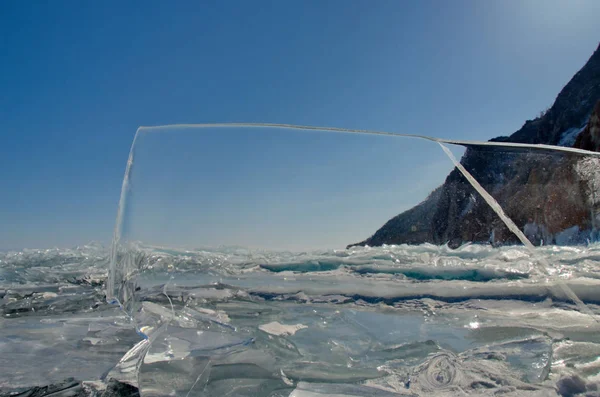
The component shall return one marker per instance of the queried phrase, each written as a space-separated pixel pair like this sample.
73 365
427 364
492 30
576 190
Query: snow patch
275 328
469 207
568 236
568 137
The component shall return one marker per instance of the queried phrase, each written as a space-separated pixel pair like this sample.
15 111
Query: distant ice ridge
422 269
418 262
87 263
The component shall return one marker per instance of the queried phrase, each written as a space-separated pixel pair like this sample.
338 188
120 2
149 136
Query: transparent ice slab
220 227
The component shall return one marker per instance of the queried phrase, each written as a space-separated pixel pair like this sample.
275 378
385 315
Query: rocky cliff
549 195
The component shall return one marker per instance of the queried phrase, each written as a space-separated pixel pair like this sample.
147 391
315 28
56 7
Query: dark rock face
549 192
68 387
570 109
589 139
73 388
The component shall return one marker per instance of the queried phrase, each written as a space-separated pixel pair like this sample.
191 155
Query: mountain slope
545 191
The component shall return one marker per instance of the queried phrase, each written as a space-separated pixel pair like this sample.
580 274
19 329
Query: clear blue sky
273 188
78 77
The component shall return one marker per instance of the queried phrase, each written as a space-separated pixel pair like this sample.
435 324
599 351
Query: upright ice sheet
273 260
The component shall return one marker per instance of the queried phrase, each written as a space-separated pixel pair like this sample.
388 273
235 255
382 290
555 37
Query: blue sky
78 78
273 188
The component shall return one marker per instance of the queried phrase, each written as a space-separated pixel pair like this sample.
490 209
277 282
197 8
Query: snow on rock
568 137
570 236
